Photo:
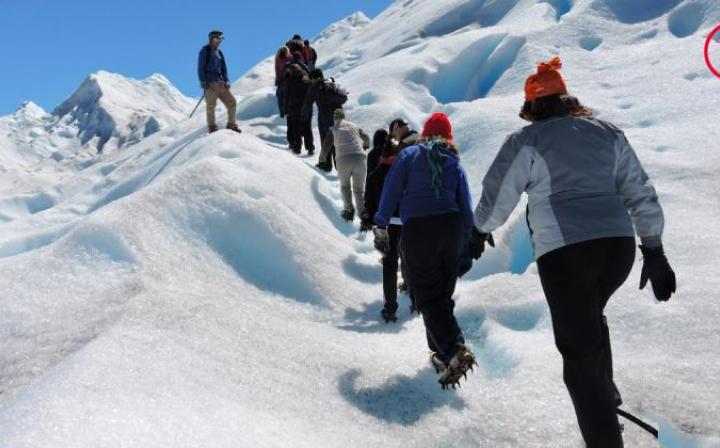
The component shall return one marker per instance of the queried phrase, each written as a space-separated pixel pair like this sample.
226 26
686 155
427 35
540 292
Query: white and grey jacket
348 139
583 180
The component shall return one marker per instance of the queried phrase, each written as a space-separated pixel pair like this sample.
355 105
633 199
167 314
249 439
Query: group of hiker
300 85
588 197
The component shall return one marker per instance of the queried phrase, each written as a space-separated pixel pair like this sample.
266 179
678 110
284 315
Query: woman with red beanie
431 189
588 195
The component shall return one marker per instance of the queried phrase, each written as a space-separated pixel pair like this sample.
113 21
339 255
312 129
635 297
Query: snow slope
201 290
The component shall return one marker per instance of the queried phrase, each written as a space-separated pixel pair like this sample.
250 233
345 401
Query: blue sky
49 46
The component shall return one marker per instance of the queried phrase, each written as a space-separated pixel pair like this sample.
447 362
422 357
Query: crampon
457 368
437 363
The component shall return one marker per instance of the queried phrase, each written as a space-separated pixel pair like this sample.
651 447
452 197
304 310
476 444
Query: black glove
382 240
657 269
477 243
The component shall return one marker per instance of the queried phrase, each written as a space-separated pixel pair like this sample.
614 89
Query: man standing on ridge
212 72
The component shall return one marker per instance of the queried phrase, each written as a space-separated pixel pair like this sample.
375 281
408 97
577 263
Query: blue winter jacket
409 184
216 69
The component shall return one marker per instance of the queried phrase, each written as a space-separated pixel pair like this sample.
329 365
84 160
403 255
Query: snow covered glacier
184 289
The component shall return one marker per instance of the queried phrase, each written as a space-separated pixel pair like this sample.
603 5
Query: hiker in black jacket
380 139
299 129
326 107
401 133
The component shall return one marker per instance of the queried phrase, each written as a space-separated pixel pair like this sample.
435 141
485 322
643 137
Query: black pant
299 130
390 267
432 246
578 281
325 121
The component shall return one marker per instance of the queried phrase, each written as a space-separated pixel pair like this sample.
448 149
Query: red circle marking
707 51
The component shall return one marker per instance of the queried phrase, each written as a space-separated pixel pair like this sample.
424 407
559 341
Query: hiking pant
432 246
215 91
352 170
325 122
390 268
578 280
406 276
299 131
280 95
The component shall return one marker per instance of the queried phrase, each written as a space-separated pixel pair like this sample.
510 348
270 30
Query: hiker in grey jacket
350 144
586 191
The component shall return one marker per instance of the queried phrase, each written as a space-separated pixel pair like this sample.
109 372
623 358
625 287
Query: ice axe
198 104
646 426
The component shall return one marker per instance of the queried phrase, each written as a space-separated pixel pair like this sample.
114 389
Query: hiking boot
233 127
389 315
437 363
324 166
311 152
212 129
462 361
366 226
348 215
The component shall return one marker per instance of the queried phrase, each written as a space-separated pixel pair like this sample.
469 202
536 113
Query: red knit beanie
438 124
547 81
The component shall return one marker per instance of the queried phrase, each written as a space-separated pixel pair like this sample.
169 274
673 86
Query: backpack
332 93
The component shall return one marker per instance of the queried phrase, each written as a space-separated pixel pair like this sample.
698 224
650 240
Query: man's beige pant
218 90
352 170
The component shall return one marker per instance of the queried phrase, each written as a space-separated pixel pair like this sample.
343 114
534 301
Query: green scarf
435 160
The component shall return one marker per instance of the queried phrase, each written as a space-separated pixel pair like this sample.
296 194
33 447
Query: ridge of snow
195 279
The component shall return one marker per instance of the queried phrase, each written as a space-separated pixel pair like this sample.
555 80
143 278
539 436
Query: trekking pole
647 427
198 104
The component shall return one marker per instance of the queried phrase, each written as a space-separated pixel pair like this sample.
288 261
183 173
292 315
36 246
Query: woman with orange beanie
431 188
588 195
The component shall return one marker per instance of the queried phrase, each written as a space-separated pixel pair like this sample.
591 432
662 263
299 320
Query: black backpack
332 93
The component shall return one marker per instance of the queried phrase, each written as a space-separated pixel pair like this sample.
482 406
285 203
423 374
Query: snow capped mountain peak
29 112
161 277
109 108
358 18
342 29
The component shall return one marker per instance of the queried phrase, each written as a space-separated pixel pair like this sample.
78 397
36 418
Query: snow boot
212 129
348 215
325 166
437 363
233 127
462 361
388 315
